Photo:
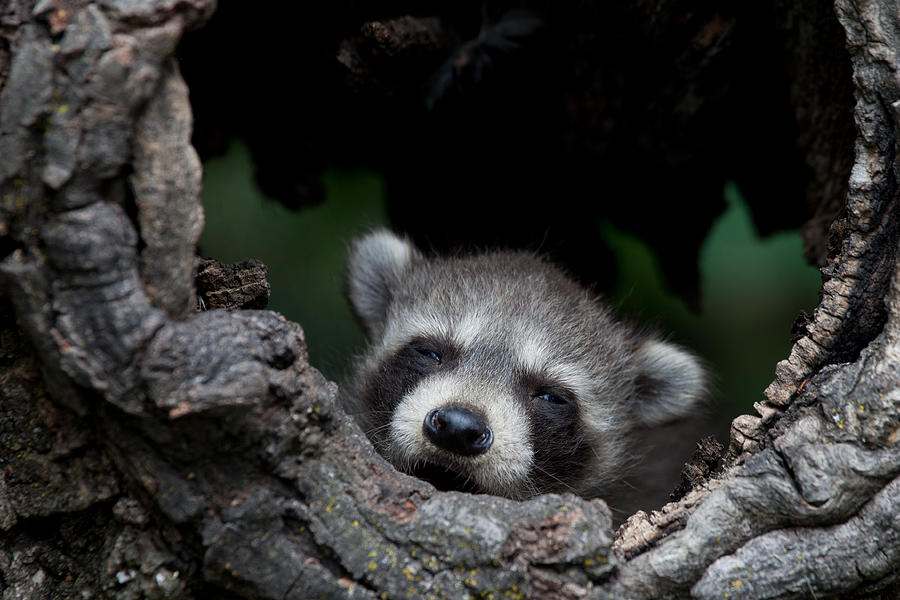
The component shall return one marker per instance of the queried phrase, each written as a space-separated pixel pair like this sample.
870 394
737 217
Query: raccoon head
496 373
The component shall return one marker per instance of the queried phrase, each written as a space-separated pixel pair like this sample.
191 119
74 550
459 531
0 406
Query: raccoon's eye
429 353
553 398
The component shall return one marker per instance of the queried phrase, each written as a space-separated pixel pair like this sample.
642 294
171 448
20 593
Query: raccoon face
496 373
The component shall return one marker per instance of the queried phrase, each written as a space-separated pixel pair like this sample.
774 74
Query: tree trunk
151 451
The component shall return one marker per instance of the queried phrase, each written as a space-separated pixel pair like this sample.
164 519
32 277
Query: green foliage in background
752 288
752 291
304 250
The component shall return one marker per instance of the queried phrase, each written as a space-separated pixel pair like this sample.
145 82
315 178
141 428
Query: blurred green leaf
304 250
752 290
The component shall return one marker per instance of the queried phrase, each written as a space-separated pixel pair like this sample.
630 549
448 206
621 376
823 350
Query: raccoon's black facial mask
399 374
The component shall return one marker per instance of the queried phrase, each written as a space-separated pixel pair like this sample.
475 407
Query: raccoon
497 373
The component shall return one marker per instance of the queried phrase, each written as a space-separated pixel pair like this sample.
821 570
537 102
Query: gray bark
165 453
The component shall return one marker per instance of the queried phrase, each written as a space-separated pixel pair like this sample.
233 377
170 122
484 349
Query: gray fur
508 319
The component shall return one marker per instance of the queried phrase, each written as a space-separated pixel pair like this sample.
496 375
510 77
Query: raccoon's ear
377 263
671 382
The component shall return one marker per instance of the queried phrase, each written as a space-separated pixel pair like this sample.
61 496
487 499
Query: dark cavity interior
445 479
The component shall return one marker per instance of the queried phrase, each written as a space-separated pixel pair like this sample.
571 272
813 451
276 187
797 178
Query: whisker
628 484
378 428
555 478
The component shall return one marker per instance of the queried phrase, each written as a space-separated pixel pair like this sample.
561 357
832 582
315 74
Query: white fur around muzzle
502 470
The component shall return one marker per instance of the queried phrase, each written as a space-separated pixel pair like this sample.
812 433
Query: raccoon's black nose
458 430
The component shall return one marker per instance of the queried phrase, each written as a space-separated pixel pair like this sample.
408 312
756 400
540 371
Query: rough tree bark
166 453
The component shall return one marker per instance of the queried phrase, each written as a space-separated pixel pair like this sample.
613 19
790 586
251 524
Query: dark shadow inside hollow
547 119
